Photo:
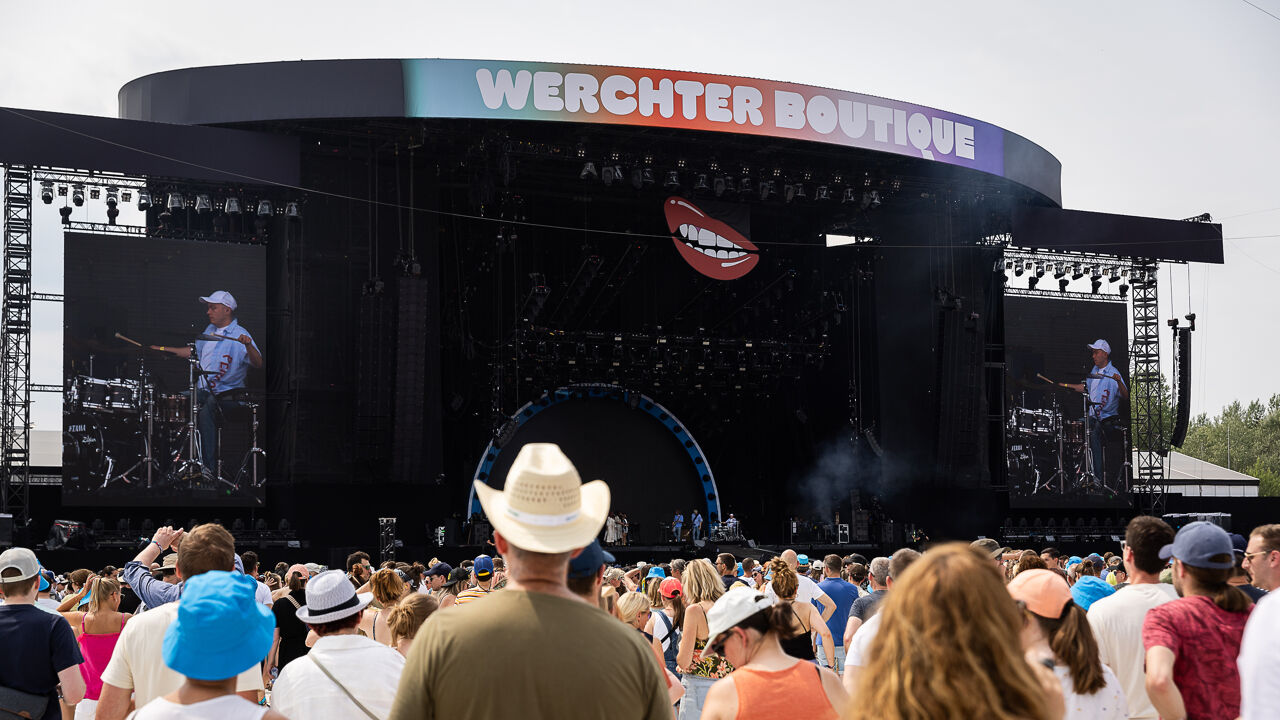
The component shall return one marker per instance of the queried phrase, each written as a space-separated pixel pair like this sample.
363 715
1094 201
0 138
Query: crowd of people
1176 625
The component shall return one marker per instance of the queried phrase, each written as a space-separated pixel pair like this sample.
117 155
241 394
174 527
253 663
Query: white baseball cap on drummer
1101 344
222 297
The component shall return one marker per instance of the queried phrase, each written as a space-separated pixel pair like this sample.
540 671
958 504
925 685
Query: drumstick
135 342
1045 378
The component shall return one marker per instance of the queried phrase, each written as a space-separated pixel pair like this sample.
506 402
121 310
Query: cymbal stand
147 461
1061 474
252 456
192 468
1085 477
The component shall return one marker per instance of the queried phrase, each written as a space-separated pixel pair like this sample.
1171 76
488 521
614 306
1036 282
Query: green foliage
1244 438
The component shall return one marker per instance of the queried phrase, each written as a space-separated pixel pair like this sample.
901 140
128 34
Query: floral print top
712 667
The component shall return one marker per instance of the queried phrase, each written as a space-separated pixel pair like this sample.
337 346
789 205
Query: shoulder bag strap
341 687
294 601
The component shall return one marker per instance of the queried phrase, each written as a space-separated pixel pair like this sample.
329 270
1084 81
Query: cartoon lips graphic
709 246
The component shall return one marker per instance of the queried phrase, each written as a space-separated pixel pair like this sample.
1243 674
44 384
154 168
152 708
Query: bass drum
84 457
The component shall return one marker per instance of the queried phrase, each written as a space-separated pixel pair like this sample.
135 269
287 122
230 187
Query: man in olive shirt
557 656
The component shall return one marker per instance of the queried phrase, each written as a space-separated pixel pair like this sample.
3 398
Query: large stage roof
557 92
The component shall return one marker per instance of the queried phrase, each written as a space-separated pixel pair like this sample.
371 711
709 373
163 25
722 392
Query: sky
1158 108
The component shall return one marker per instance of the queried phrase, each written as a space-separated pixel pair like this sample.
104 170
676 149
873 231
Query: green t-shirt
517 654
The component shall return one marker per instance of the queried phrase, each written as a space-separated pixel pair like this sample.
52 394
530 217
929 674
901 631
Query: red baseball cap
671 588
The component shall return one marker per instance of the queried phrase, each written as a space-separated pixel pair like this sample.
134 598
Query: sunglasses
717 647
1260 552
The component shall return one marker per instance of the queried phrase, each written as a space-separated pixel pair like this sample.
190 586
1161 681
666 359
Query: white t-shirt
808 590
227 707
1259 661
1117 626
263 594
660 628
1106 704
138 661
858 653
368 669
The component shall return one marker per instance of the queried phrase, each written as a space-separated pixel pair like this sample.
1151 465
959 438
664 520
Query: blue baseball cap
802 560
1090 589
441 568
1197 543
1074 560
656 572
483 567
221 630
590 560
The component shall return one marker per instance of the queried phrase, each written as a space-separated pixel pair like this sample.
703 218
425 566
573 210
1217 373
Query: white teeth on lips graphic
710 244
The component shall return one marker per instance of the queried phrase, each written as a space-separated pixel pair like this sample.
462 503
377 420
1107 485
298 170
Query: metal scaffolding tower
15 346
1148 409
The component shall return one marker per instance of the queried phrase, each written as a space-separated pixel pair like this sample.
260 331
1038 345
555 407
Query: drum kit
126 431
1049 452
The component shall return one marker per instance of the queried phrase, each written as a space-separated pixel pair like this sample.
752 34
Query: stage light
744 183
800 193
871 199
1115 275
175 202
46 192
94 193
1059 271
77 195
1039 270
848 196
589 171
717 186
65 212
113 211
232 206
1077 271
1062 284
637 178
1124 290
609 174
203 205
144 200
701 184
264 208
1095 274
1094 285
126 197
673 181
292 212
1019 268
1031 282
822 194
646 177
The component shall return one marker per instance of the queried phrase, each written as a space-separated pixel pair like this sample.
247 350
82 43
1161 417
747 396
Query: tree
1244 438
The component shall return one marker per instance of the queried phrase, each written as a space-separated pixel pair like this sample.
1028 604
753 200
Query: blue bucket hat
1090 589
656 572
802 560
221 630
1197 543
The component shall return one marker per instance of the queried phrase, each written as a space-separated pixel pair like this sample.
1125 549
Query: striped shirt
470 594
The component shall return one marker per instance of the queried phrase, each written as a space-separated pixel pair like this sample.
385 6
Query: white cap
733 607
220 297
1101 344
21 559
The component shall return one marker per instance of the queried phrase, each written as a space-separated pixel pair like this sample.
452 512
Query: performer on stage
696 520
1105 388
677 525
225 362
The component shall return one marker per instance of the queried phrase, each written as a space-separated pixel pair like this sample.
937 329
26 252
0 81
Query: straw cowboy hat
544 506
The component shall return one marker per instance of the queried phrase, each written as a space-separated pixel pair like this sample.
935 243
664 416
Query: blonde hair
949 646
387 586
632 605
701 582
101 589
405 619
653 591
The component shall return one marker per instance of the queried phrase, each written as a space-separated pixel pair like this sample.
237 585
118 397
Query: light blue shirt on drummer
1103 392
226 360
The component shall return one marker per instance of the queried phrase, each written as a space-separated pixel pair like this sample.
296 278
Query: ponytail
785 582
1072 642
101 589
1212 583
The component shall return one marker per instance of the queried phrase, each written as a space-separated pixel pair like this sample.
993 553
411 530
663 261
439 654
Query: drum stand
251 457
148 461
193 469
1061 474
1086 479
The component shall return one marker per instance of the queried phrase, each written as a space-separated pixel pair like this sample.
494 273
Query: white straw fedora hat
544 506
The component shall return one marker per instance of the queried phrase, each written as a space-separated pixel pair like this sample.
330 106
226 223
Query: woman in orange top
746 629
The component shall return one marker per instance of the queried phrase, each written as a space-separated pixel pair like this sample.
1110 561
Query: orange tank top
794 692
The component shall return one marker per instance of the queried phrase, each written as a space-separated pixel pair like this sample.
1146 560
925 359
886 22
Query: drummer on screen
1105 388
225 363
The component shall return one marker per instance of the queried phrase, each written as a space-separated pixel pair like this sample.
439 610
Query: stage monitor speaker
6 530
842 533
